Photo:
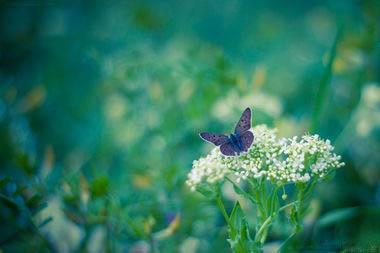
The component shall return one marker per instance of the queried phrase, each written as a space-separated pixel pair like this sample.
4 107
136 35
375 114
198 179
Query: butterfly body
237 142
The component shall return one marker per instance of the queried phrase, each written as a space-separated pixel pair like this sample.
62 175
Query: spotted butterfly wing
228 149
246 140
216 139
244 123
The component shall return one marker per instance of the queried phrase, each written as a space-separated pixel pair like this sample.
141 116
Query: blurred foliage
101 104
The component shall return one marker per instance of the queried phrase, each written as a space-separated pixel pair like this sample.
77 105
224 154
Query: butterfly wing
246 140
244 122
228 149
216 139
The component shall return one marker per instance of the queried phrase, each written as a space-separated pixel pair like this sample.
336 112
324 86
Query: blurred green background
101 103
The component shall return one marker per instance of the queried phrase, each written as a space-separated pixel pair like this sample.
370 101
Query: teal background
101 103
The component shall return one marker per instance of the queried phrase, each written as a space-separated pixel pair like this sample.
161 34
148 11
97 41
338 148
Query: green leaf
99 186
294 214
236 215
238 190
34 200
8 202
337 216
208 192
240 239
25 163
4 181
245 235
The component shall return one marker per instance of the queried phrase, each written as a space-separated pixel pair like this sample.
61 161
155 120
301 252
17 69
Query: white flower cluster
287 160
209 169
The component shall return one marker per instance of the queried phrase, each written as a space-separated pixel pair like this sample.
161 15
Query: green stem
286 243
223 210
255 196
263 228
304 192
233 233
260 205
246 194
273 200
264 216
261 234
287 205
252 183
265 197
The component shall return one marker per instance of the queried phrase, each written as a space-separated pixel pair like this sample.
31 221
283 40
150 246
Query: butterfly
239 141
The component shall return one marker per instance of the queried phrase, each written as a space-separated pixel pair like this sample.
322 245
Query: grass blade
323 85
